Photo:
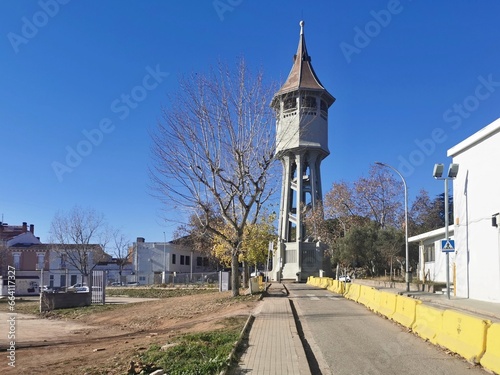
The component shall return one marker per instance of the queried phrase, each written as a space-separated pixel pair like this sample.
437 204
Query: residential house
22 252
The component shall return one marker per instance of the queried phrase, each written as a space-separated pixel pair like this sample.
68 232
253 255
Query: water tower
301 107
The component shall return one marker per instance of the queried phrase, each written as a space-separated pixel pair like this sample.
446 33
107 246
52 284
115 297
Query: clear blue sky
411 78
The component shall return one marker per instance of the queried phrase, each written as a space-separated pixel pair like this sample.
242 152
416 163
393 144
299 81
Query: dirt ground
106 342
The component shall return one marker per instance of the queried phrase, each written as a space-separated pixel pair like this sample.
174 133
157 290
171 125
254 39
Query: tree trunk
244 274
235 275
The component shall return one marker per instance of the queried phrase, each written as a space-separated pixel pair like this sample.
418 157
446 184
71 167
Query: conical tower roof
302 75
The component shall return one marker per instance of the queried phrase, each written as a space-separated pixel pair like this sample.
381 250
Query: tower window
308 102
289 103
324 107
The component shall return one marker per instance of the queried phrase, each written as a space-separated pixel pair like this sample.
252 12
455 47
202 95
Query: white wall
476 193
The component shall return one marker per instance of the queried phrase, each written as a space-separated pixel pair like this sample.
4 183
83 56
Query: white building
476 199
475 265
431 258
157 262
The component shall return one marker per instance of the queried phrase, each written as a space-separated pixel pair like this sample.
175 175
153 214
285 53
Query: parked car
78 288
345 279
49 289
116 284
132 283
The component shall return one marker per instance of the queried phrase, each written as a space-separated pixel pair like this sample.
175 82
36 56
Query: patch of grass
80 312
24 306
156 292
203 353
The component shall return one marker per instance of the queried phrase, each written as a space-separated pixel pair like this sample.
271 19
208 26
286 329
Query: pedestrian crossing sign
447 246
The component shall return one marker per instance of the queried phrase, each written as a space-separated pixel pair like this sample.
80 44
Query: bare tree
79 236
377 197
121 246
213 151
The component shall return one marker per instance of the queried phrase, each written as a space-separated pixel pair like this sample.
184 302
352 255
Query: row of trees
364 222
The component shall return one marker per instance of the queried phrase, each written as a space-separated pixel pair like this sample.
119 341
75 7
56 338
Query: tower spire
302 75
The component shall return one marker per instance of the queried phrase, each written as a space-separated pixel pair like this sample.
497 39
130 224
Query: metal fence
202 278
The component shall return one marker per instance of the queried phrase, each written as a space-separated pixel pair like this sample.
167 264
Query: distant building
38 264
157 262
112 271
22 252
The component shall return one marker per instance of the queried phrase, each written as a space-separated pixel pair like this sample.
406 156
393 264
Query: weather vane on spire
301 23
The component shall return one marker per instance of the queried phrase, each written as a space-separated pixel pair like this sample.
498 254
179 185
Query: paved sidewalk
274 346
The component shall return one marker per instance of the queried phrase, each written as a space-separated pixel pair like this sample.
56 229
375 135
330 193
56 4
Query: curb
243 333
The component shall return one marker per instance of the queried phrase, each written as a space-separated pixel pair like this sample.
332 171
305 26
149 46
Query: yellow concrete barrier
324 282
405 310
312 280
387 304
463 334
352 291
491 358
428 322
335 287
374 302
365 295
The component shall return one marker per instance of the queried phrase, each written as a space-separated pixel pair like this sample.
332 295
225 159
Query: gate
98 286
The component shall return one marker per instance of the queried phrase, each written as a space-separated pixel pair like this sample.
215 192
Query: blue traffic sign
448 246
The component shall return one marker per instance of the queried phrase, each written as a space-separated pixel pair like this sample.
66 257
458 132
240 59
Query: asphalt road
348 339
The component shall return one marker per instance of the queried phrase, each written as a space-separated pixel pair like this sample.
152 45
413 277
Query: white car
345 278
78 288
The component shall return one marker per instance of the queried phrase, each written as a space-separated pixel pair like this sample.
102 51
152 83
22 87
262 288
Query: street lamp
407 270
438 175
164 259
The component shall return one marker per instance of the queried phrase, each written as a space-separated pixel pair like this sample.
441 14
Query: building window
308 102
173 258
142 278
289 103
16 259
182 259
429 253
62 280
199 261
51 281
62 263
40 261
188 260
73 279
205 262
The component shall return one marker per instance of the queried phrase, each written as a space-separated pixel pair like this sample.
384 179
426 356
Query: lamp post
407 269
164 281
437 174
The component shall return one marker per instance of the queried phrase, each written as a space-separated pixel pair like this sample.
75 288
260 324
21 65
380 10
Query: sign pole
446 215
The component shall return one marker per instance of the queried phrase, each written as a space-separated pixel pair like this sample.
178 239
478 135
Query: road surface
348 339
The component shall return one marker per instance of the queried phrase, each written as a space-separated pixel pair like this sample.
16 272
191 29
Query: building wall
476 193
152 258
